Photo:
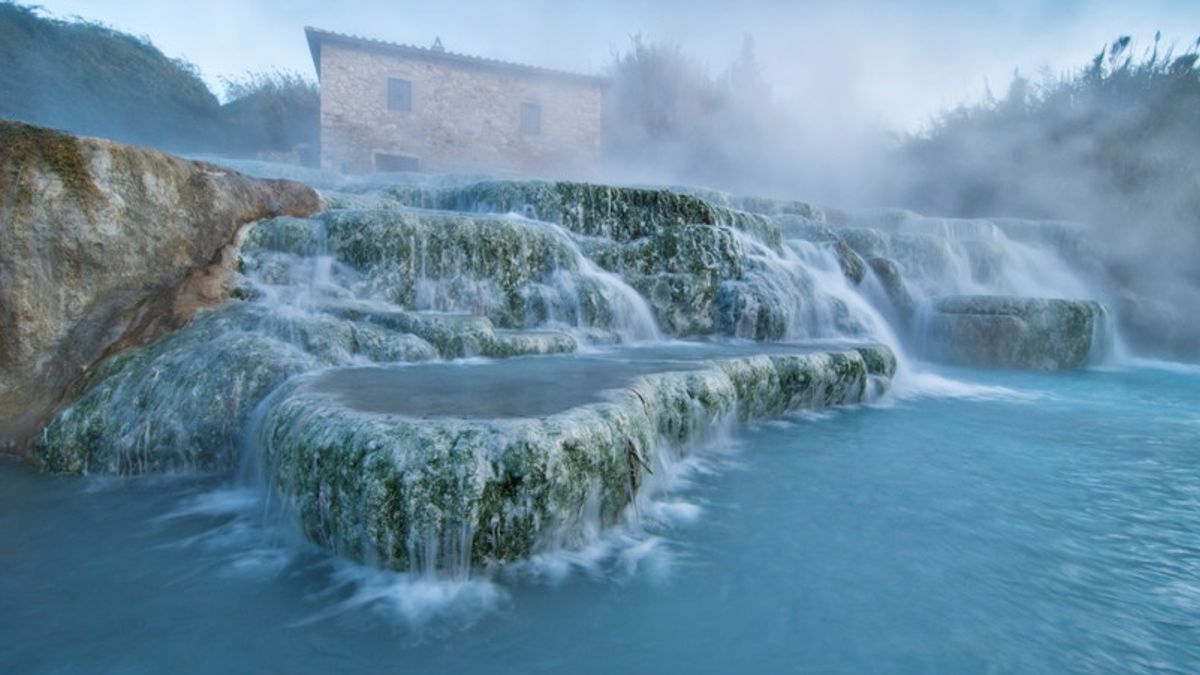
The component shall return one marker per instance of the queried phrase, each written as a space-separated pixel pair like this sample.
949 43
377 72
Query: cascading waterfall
392 285
970 259
804 306
633 319
309 308
914 261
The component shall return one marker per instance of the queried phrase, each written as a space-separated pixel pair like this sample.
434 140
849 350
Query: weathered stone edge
393 491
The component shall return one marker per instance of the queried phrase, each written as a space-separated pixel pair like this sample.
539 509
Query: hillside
90 79
129 90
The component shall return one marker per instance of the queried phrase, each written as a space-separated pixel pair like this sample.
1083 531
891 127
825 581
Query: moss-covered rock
680 251
697 279
1009 332
183 403
25 149
695 256
593 210
460 335
516 272
408 493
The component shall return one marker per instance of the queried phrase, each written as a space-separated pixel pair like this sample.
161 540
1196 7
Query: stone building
394 107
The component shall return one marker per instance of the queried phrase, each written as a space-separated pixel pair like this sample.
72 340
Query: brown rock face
104 247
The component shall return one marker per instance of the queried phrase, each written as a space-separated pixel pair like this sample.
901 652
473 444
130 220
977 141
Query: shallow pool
973 521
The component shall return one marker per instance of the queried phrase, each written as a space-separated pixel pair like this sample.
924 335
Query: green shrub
276 111
1115 143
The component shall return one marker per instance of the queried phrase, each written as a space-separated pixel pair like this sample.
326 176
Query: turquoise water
999 522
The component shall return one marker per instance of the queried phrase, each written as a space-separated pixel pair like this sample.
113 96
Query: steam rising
827 102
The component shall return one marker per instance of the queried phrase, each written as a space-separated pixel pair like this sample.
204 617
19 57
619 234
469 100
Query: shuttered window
399 94
531 119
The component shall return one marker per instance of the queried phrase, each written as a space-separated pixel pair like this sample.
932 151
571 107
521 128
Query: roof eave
313 35
316 36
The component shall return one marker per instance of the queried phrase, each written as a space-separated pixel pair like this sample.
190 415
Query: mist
832 103
1113 145
603 336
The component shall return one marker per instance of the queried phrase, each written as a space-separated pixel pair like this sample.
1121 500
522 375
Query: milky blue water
1042 523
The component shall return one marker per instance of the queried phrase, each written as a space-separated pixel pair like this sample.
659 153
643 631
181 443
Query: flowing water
1001 522
965 521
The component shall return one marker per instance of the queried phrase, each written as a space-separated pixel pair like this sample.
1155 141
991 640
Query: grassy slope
89 79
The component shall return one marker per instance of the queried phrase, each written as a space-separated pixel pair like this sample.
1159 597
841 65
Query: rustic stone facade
449 112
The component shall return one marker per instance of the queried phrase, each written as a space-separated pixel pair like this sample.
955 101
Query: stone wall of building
464 117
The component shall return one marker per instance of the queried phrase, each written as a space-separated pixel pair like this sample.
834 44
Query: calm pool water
1042 523
533 386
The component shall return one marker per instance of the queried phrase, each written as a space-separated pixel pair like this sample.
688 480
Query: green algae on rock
24 147
182 403
1007 332
696 279
461 335
517 273
439 492
676 249
588 209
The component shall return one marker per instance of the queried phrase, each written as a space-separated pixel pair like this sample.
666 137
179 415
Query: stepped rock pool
969 521
533 386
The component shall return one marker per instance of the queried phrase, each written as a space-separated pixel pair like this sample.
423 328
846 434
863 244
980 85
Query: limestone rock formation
419 492
1012 332
704 266
392 285
105 246
112 247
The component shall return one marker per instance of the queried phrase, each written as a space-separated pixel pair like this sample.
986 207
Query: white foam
811 415
220 502
638 546
417 601
674 511
915 383
1169 366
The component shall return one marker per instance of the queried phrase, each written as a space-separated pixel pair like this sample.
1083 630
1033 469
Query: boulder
107 246
1011 332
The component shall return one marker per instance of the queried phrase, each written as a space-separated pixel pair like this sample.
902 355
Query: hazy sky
890 62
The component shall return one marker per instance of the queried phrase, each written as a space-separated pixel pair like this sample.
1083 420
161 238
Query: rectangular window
531 119
399 94
392 163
